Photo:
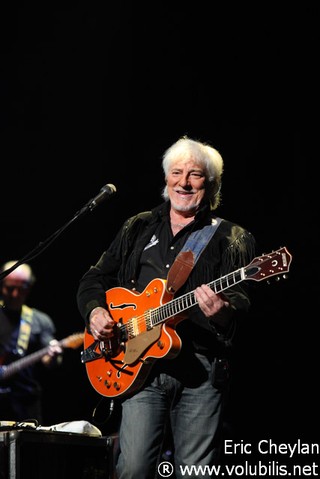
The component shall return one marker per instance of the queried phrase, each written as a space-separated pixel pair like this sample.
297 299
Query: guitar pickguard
137 346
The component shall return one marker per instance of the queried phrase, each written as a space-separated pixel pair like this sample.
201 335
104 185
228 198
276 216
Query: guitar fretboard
162 313
186 301
259 269
11 369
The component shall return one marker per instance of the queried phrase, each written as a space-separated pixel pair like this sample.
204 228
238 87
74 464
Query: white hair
205 155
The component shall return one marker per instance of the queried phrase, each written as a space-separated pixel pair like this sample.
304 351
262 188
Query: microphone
105 192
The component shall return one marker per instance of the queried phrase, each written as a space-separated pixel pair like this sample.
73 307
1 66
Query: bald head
22 273
15 287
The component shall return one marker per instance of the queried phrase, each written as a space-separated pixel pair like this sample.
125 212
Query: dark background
94 94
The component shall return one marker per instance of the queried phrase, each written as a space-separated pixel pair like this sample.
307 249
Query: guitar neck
261 268
11 369
186 301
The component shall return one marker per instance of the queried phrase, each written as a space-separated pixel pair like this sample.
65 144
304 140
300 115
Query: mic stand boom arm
107 190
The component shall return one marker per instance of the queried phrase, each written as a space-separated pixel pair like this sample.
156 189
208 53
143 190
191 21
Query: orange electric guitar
145 326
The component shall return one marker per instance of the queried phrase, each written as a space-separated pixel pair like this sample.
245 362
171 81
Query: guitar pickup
90 354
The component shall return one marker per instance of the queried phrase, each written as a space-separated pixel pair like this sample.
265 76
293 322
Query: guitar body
121 365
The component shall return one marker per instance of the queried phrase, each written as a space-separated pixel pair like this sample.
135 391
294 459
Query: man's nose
185 181
15 292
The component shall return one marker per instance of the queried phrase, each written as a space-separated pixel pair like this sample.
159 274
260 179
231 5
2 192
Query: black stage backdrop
93 95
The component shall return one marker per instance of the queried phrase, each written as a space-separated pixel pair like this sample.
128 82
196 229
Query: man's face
186 183
15 289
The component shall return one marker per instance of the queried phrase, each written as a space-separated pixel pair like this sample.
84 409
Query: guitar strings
166 311
185 302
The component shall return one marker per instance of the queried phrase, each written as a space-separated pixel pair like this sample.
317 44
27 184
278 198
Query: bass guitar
145 326
7 370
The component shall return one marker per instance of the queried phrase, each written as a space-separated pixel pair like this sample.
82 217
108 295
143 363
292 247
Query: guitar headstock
73 341
277 263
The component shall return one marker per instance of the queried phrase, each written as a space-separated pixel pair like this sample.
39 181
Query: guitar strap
189 255
25 330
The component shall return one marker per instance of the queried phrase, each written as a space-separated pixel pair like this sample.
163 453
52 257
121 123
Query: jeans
192 405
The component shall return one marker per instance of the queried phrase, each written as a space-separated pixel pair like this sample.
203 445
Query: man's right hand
101 324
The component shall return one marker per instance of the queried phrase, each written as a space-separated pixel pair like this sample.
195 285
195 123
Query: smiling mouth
184 193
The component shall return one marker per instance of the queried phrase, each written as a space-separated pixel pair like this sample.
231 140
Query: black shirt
159 254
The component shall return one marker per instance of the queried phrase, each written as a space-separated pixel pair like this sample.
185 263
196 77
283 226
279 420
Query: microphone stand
46 243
